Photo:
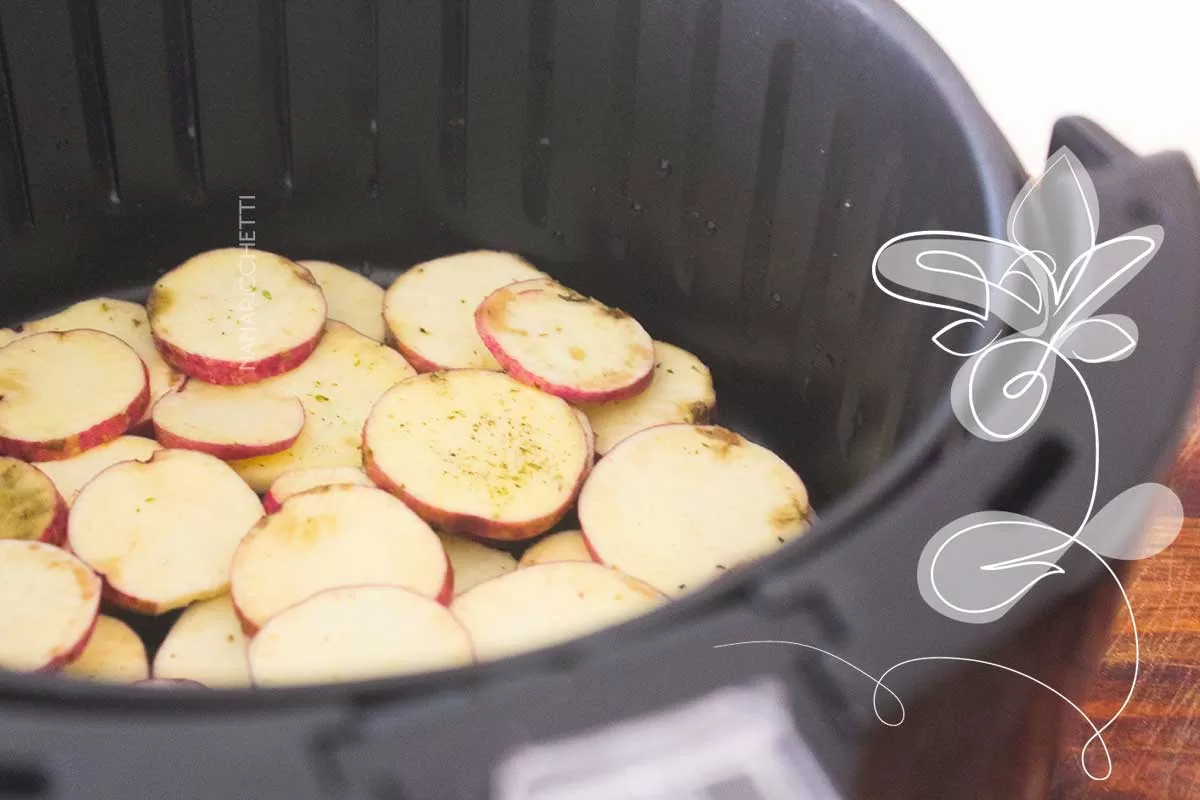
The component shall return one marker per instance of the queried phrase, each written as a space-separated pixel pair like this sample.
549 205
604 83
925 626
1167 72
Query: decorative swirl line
1097 736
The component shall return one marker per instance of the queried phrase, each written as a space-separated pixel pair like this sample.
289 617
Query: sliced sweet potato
229 422
236 316
473 563
337 385
125 320
566 344
72 474
358 633
681 391
477 452
335 536
561 546
352 298
31 509
206 645
429 310
301 480
50 600
163 533
114 654
64 393
549 604
677 505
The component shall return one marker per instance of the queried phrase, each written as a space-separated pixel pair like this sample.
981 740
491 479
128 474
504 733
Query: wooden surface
1155 745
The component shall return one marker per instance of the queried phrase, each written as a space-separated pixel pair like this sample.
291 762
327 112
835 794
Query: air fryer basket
725 171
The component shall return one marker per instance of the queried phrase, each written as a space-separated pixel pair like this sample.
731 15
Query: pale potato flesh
205 645
681 391
338 385
565 339
237 306
561 546
57 385
430 309
7 335
358 633
676 505
123 319
28 501
474 563
164 532
334 536
229 415
549 604
301 480
351 298
72 474
50 601
114 654
479 443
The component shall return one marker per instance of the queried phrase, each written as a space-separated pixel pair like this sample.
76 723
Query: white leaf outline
992 519
1032 189
937 337
1122 324
1020 258
1151 236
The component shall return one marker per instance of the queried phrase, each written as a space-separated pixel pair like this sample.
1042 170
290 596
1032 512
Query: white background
1131 65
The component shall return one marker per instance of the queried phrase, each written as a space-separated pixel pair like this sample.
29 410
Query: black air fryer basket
725 171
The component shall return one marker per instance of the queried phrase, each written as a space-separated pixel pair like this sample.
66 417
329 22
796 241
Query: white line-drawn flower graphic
1053 276
1045 285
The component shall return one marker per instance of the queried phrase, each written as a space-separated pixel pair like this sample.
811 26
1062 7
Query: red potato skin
248 627
236 373
100 433
418 362
591 550
226 452
569 393
270 504
118 599
469 524
56 531
586 424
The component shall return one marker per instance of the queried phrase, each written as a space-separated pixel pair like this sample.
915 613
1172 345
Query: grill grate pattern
741 160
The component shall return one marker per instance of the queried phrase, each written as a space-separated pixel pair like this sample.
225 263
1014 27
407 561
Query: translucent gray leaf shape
1140 522
1100 339
977 567
977 276
1056 214
1102 271
1000 392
